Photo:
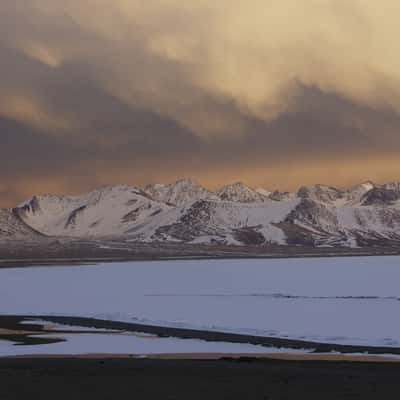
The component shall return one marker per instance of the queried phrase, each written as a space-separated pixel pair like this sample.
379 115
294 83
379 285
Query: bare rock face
180 193
279 196
238 192
321 193
297 235
192 224
381 196
12 227
72 219
249 236
357 192
313 214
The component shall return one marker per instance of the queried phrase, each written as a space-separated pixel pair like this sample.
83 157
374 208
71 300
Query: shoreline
244 357
27 323
19 254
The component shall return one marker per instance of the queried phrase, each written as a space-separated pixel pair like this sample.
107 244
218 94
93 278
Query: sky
276 94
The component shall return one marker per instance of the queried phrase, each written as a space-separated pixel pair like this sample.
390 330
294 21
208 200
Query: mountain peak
357 192
239 192
263 192
321 193
182 192
186 181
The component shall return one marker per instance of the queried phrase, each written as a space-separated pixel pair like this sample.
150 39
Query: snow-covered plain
337 300
87 343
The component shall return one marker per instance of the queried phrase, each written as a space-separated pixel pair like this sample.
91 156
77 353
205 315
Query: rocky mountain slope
365 215
180 193
238 192
12 227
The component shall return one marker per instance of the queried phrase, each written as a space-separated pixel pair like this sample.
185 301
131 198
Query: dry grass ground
107 379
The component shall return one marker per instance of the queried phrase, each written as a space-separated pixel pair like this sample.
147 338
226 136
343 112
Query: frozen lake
338 300
128 344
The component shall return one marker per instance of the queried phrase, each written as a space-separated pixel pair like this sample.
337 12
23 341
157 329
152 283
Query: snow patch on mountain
263 192
108 211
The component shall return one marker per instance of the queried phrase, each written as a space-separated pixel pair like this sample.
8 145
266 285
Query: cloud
30 111
273 93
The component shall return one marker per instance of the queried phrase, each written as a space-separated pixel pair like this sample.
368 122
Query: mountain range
364 215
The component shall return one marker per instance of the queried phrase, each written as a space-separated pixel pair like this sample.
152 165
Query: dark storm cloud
96 93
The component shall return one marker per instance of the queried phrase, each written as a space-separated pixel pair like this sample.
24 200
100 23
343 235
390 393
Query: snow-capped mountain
357 192
184 211
108 211
228 222
180 193
239 192
366 215
263 192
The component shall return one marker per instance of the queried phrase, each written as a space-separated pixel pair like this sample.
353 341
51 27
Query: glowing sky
273 93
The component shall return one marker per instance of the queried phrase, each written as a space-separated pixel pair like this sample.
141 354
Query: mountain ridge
367 214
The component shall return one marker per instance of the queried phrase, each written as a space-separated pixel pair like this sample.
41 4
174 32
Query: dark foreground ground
51 251
107 379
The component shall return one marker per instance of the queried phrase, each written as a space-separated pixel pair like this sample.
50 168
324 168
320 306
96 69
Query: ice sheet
350 300
129 344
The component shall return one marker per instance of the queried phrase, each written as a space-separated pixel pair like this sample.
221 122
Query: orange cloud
26 109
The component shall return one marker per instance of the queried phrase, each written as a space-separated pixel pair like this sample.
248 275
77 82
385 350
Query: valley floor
65 250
